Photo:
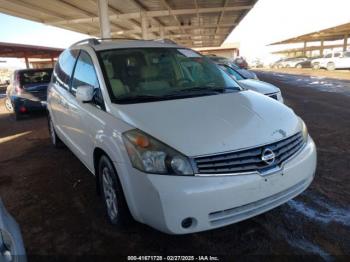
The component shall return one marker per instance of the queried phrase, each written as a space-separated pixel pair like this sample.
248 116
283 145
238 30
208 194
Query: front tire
330 66
116 207
316 66
299 66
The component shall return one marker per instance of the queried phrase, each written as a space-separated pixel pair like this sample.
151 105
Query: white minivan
173 141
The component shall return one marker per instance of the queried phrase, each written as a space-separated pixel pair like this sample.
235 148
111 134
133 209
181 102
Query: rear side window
84 73
337 54
347 54
64 68
328 56
35 77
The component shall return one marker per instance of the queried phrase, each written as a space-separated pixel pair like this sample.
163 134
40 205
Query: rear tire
8 105
330 66
18 116
117 210
55 140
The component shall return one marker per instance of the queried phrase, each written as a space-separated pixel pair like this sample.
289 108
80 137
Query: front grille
249 160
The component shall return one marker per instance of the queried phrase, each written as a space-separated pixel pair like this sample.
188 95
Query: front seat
151 81
117 86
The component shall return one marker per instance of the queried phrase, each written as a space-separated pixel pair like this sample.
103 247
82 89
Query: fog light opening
188 222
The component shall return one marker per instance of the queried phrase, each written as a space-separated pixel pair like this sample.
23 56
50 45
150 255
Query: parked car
305 63
244 72
172 139
293 62
332 61
255 85
277 64
27 91
11 243
241 62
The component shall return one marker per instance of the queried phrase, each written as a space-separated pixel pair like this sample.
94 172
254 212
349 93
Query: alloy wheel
8 104
109 194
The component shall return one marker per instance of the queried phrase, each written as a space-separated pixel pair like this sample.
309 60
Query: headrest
109 70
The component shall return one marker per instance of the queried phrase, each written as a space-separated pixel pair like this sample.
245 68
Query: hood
212 124
259 86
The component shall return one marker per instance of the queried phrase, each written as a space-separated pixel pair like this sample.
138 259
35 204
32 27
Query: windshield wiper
137 99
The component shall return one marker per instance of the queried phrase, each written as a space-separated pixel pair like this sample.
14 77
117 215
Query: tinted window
231 72
347 54
336 54
328 56
64 68
84 73
35 77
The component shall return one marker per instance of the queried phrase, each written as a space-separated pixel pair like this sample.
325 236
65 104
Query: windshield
231 72
150 74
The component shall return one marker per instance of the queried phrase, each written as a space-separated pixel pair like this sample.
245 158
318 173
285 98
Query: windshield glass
149 74
232 72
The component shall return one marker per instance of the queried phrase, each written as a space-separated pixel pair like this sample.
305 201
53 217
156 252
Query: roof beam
221 15
170 28
165 3
136 15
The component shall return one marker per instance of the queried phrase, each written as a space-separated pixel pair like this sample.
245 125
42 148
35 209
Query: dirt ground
337 74
52 195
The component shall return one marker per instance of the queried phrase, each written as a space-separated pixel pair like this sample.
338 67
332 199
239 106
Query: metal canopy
330 34
308 48
195 23
29 51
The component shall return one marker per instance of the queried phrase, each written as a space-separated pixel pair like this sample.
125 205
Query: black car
27 91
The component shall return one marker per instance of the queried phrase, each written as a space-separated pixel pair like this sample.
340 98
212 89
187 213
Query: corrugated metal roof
195 23
329 34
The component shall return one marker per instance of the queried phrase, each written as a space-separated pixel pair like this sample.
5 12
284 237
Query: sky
267 22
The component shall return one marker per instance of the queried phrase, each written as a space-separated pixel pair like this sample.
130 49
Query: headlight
304 131
152 156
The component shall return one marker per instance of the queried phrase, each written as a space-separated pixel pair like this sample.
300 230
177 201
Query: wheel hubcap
8 104
109 193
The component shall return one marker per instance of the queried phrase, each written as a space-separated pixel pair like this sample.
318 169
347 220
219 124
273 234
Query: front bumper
163 201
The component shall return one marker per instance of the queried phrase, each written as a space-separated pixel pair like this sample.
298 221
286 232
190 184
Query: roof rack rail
90 41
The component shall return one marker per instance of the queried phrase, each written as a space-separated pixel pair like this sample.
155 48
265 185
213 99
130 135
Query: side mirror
85 93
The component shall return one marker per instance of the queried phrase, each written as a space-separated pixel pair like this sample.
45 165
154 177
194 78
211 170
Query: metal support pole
105 28
345 45
304 49
161 32
27 62
144 26
321 49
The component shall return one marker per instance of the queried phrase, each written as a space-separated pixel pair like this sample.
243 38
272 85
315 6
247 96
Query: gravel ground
52 195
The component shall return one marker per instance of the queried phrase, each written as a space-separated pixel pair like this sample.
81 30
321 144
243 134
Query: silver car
253 84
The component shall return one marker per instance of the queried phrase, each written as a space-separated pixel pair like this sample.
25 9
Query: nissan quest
173 141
